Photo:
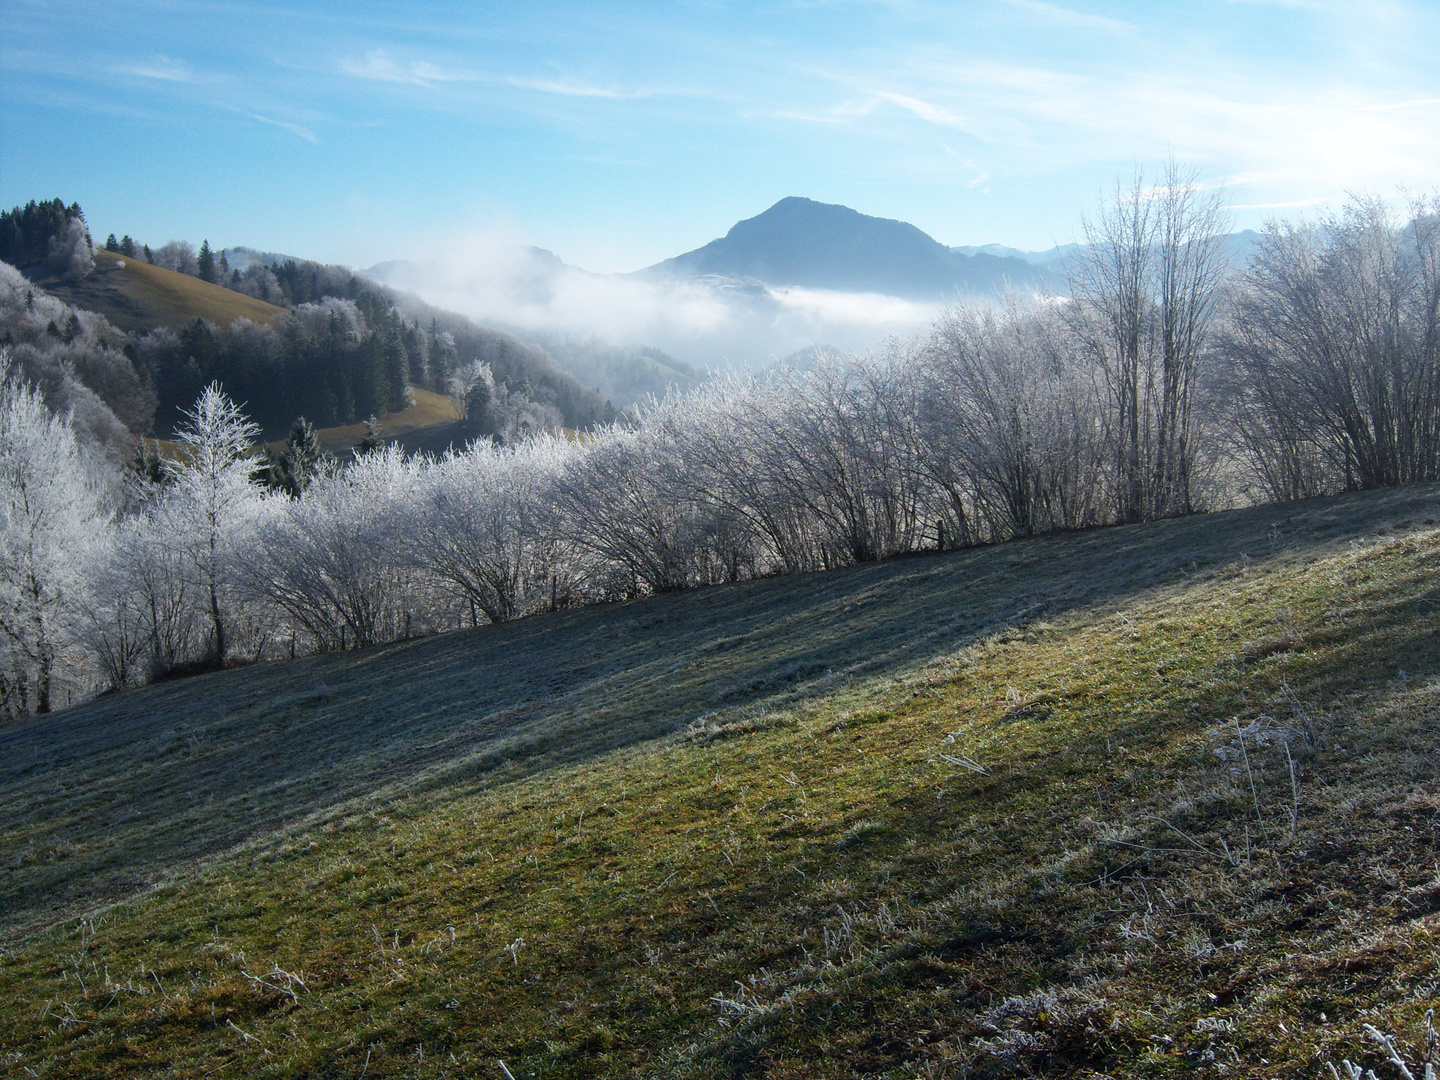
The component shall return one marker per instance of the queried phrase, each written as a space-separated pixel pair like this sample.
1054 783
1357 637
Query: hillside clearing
136 296
1148 801
431 418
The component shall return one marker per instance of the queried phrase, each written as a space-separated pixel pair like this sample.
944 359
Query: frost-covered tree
177 255
69 253
331 560
147 618
212 498
481 527
50 517
1145 287
1335 352
1011 426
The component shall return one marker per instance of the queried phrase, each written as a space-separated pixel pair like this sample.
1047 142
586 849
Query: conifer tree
205 262
373 437
294 469
397 370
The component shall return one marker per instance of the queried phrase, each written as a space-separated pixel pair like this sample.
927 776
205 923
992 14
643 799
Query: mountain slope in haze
800 242
1238 248
136 296
1151 801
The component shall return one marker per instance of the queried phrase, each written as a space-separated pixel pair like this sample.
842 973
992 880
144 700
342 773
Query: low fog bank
703 322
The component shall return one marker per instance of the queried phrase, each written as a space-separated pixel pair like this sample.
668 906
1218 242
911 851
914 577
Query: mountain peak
802 242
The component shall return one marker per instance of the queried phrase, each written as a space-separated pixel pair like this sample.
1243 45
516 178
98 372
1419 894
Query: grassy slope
138 296
727 833
431 419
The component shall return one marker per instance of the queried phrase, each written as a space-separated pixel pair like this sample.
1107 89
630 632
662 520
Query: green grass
134 295
728 833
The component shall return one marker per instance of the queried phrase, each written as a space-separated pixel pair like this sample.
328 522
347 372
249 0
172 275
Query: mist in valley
712 322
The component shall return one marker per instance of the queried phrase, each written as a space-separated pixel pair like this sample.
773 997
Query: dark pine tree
149 466
111 244
293 469
373 437
25 232
205 262
397 369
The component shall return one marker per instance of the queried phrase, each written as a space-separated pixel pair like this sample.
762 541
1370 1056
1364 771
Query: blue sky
618 135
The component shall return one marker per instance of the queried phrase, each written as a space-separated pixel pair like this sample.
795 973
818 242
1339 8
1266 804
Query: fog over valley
781 288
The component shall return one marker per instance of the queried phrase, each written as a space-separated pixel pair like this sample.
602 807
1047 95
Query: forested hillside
288 339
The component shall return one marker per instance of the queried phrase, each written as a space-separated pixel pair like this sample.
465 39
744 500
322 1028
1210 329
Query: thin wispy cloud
1321 137
1064 16
160 68
1294 204
294 129
931 112
572 89
1418 103
377 66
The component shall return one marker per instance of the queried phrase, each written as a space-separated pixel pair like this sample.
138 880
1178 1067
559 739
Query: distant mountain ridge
801 242
1238 246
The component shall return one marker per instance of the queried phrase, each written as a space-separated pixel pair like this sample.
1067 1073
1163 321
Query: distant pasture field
134 295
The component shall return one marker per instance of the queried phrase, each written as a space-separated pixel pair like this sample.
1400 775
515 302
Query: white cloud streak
377 66
294 129
1064 16
160 68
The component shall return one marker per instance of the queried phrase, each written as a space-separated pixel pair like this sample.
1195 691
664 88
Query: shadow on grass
107 798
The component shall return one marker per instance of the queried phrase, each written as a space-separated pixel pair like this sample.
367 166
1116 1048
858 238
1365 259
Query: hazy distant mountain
1238 246
800 242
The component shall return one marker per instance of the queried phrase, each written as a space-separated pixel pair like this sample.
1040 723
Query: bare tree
177 255
331 559
70 254
1011 424
1145 288
1335 351
480 529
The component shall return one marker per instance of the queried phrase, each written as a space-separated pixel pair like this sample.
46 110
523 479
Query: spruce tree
111 244
373 437
148 466
303 457
127 246
205 269
397 370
